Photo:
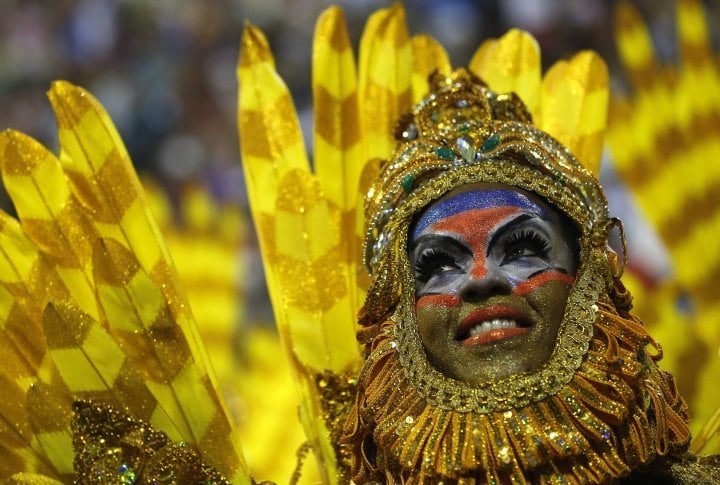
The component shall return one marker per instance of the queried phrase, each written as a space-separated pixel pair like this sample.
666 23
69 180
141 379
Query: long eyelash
530 237
429 261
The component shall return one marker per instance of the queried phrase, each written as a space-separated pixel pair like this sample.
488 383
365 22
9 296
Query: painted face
493 268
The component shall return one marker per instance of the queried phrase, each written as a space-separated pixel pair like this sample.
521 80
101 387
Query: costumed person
496 340
499 344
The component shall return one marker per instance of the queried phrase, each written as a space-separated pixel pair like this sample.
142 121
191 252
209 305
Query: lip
491 313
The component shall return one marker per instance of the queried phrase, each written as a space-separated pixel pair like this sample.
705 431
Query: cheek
550 299
432 313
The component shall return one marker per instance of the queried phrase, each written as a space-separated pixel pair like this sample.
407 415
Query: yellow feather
23 347
104 182
339 157
574 106
664 139
19 449
304 233
102 177
27 284
49 215
337 129
428 56
511 64
49 411
32 479
692 32
271 141
141 322
93 365
385 78
634 45
64 206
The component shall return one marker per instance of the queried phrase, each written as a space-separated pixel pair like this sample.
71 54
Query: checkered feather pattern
91 306
307 233
665 141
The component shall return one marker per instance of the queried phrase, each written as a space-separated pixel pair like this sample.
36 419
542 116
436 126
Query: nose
476 289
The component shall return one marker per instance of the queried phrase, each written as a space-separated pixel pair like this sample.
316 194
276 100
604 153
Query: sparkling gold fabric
617 413
111 447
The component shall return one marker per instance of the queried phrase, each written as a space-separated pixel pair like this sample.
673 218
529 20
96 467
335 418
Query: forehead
476 199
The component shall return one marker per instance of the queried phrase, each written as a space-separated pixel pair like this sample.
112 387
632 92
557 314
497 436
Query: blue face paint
475 199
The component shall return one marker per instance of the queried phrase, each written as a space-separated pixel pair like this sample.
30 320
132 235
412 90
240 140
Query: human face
493 267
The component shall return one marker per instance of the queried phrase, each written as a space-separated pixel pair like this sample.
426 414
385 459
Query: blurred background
165 72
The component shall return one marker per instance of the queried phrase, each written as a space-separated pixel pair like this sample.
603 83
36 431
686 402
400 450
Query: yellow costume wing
23 273
306 269
665 142
385 74
116 328
511 64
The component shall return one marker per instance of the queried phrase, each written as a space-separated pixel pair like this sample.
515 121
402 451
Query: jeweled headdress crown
463 123
463 132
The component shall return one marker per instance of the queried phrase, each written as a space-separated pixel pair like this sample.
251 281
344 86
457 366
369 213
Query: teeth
489 325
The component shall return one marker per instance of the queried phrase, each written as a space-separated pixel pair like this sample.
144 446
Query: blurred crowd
165 69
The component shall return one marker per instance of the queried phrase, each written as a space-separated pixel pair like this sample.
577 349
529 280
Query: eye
432 262
523 244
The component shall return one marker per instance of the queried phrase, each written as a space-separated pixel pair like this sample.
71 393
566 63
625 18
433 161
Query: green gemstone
435 116
407 182
445 153
490 142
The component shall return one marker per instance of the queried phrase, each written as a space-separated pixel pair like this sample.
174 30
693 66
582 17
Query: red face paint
442 301
539 280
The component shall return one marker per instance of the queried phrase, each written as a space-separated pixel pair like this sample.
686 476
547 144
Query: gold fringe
619 411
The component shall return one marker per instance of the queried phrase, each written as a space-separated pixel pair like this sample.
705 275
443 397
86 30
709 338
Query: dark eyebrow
508 226
440 239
